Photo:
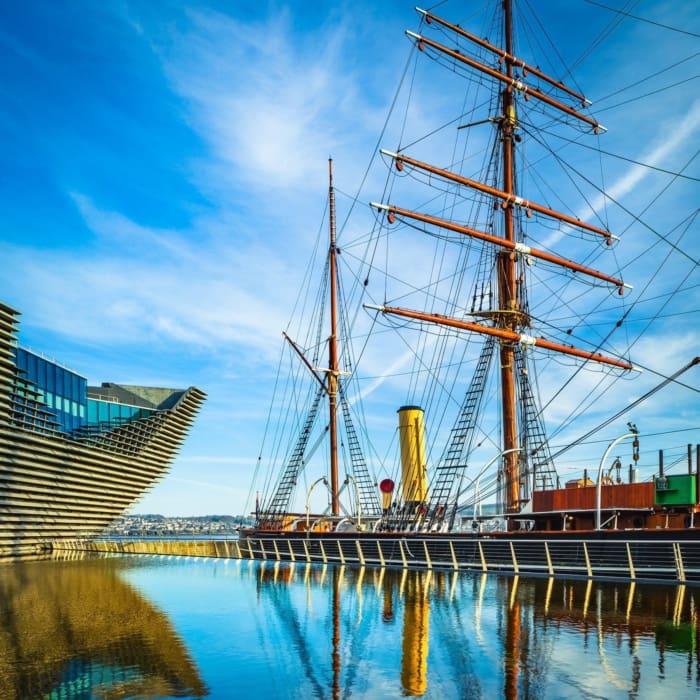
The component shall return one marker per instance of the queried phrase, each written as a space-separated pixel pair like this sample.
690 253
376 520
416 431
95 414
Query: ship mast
510 316
328 379
333 348
510 321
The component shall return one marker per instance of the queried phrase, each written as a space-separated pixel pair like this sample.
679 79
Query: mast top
513 83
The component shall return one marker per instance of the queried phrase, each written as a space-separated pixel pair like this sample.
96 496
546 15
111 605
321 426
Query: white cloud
271 103
143 285
671 137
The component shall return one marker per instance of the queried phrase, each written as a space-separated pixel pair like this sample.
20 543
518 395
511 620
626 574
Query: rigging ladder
535 447
279 503
443 500
366 486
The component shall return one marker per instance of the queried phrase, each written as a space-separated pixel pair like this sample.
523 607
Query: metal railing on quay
634 559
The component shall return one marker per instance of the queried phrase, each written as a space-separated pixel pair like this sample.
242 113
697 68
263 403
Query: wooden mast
429 18
333 349
514 246
504 334
510 318
508 300
506 77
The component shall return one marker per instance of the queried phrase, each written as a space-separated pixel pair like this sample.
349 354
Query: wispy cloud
146 285
671 137
260 95
271 103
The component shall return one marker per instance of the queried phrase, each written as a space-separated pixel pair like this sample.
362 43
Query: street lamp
348 478
632 434
308 498
475 482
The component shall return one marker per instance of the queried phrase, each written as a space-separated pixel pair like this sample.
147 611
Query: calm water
158 627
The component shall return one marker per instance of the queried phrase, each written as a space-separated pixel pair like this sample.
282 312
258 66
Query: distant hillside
155 524
213 518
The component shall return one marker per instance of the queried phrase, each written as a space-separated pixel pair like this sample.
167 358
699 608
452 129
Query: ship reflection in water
426 634
179 627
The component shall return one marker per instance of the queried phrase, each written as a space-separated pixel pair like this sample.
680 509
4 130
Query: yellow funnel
414 478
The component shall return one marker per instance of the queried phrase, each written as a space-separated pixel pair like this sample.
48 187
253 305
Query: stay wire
617 156
629 407
642 19
649 94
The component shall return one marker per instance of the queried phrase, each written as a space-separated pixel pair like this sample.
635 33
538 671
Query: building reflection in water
457 635
292 630
76 629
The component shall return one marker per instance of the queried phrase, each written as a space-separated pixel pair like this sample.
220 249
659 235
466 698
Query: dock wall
656 559
224 549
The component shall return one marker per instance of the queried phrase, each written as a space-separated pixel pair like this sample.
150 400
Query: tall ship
74 457
509 315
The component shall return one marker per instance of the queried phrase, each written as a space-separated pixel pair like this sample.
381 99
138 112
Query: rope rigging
455 277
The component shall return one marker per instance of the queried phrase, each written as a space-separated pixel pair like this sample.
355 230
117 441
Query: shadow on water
76 629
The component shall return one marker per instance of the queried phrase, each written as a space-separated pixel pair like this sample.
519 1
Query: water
154 627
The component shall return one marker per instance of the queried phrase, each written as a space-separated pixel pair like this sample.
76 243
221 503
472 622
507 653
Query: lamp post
308 498
348 478
632 434
475 482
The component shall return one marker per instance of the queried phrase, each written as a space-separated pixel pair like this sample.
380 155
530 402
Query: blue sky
165 170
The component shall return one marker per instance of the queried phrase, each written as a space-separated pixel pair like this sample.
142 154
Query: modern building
73 457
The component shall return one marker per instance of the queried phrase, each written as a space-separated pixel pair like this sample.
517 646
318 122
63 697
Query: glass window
31 366
21 359
51 378
60 387
41 375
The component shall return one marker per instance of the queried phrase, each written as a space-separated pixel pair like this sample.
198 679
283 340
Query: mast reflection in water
168 627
